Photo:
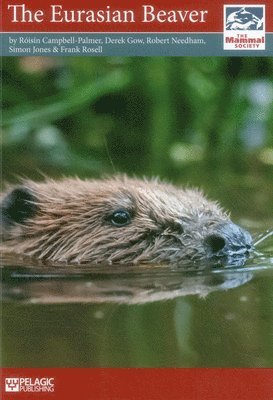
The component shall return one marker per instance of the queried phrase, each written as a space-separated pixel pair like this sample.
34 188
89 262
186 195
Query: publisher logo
29 384
12 385
244 27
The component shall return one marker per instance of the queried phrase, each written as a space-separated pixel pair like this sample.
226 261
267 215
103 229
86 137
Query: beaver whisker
265 236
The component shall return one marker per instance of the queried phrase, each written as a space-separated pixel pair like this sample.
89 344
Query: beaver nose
228 239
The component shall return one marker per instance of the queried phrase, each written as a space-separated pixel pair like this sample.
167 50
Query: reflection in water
127 285
43 328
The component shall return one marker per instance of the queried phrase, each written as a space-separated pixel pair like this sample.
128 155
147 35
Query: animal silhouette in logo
243 20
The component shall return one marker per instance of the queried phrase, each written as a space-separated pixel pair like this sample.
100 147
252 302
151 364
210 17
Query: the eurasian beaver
117 220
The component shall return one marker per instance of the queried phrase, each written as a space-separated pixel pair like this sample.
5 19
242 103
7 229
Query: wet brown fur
168 223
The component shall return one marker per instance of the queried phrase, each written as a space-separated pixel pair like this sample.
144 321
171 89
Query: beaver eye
120 218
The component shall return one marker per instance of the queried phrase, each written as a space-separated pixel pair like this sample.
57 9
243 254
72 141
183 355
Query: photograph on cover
137 212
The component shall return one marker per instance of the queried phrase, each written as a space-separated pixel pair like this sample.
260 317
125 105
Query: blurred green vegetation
198 121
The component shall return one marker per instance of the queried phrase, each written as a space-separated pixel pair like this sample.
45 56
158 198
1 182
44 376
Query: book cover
136 205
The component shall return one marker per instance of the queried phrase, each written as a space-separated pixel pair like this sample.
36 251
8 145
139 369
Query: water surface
142 316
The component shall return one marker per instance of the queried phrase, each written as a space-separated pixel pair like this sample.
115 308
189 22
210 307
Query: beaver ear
18 205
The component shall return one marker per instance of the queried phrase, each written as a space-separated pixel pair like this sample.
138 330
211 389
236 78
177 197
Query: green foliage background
198 121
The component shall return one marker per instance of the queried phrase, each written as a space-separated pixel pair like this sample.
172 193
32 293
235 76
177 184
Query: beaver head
117 220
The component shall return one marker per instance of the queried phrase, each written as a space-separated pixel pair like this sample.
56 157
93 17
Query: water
143 316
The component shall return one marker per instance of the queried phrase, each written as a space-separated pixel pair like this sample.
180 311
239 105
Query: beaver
117 220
